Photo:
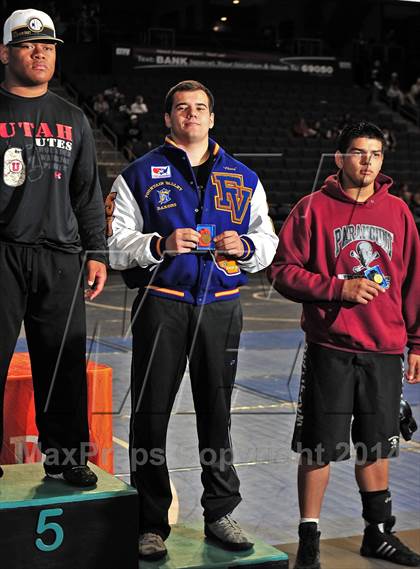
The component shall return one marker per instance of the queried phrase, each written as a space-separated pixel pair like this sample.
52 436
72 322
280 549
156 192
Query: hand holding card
207 233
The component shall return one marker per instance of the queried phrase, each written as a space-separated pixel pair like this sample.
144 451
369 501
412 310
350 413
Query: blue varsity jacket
157 194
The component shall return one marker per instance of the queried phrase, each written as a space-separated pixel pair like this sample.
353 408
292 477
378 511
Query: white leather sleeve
261 231
128 246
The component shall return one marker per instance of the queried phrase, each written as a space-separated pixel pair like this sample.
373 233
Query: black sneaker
81 476
308 551
387 546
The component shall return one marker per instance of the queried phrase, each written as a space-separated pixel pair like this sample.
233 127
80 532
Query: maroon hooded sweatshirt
329 237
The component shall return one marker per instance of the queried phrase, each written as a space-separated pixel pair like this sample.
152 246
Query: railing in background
90 114
110 134
128 153
412 113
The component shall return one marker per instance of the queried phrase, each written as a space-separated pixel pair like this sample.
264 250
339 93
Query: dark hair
360 129
188 85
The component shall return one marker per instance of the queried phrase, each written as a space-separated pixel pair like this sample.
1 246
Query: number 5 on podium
42 527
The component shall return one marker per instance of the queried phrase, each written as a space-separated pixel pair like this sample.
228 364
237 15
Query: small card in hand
207 233
376 275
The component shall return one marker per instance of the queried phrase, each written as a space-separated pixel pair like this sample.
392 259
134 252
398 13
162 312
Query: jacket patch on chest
165 195
228 266
160 172
165 200
231 195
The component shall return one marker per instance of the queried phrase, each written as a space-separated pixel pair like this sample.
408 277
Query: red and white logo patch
14 169
16 166
160 172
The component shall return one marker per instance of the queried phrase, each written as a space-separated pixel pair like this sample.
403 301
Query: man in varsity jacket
188 221
350 253
51 210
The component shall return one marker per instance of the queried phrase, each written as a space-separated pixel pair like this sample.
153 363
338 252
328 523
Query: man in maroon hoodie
350 254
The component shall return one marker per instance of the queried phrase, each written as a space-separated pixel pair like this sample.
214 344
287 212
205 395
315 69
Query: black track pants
165 334
38 286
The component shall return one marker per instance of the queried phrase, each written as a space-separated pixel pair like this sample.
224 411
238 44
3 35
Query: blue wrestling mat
278 354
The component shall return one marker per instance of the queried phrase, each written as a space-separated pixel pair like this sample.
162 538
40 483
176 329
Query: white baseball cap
28 25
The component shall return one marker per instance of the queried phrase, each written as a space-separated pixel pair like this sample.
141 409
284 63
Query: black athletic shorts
338 386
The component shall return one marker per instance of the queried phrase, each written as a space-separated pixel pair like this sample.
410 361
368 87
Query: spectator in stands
139 147
394 94
375 84
87 25
94 9
113 96
301 128
390 139
118 123
403 192
101 106
122 106
133 150
327 129
60 26
346 119
134 133
413 95
360 56
317 128
138 107
407 196
376 74
119 120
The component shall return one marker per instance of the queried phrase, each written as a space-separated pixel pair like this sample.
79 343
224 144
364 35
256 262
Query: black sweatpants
165 334
38 286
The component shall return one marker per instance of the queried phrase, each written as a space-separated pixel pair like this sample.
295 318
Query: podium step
48 524
188 549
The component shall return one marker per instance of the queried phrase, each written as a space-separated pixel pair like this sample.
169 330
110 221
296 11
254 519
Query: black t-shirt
49 189
202 173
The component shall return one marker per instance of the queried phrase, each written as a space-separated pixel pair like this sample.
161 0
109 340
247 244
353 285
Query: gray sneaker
151 547
228 534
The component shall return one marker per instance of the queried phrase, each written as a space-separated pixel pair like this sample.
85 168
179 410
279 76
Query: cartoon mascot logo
365 255
164 196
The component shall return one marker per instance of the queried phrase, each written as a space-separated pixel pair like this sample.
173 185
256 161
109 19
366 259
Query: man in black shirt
51 210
